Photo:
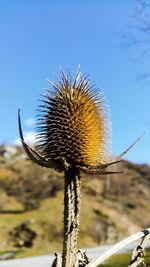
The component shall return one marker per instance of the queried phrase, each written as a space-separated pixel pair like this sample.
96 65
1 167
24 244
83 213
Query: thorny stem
71 216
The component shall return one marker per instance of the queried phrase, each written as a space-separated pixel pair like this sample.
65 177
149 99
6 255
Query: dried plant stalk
72 137
114 249
71 216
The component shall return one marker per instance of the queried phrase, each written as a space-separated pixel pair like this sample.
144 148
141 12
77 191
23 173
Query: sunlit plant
73 136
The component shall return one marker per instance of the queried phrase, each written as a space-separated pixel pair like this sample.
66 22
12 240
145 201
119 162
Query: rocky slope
31 205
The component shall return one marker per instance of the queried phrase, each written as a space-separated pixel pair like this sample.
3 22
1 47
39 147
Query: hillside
31 205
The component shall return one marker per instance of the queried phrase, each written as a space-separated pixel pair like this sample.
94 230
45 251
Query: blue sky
37 37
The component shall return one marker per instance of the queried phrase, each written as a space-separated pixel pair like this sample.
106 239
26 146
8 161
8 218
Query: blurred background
110 40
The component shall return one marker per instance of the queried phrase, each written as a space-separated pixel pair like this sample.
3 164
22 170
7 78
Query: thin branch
118 247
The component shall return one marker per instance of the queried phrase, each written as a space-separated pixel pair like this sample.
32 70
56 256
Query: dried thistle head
72 123
72 127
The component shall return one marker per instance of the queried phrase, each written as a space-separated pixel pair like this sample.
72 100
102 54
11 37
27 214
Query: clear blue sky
37 37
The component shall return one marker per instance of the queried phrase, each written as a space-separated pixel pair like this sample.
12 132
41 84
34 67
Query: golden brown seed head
73 123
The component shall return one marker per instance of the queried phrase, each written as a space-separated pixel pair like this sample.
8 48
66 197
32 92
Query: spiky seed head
73 123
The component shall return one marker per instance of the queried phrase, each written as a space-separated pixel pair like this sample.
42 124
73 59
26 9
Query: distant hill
31 205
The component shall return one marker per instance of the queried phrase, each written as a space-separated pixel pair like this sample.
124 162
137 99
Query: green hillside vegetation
31 206
123 259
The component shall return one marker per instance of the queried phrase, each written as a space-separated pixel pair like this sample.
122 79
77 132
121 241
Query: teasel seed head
73 128
73 124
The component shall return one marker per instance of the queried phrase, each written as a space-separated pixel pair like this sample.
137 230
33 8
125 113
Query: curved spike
132 145
109 172
31 153
97 171
103 166
118 159
36 157
19 124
